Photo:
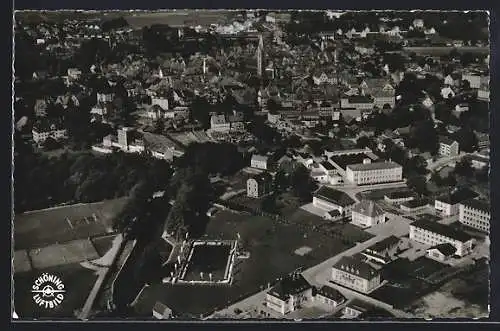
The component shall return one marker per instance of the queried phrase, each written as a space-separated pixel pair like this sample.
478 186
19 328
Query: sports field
42 228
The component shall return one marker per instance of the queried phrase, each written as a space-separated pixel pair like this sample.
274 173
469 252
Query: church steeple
260 48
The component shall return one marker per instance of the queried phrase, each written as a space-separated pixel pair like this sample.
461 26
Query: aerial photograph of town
250 165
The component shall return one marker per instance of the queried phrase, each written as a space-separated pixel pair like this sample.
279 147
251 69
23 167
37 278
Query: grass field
271 256
68 253
78 282
209 260
103 244
58 225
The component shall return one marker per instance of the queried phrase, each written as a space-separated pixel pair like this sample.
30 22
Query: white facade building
475 214
432 233
374 173
367 213
355 274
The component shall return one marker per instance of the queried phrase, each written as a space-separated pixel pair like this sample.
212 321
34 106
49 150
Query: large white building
260 162
160 101
374 173
367 213
432 233
329 199
289 294
42 132
448 147
447 204
476 214
356 274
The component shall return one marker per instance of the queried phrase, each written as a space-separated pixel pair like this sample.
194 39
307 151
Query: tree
268 204
464 168
436 178
301 183
281 181
418 184
363 142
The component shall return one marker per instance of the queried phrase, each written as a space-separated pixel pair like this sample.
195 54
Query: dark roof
356 267
457 196
415 203
327 165
360 99
262 177
290 285
334 213
344 160
445 249
384 244
373 166
477 204
368 208
400 194
442 229
331 293
359 305
334 196
446 140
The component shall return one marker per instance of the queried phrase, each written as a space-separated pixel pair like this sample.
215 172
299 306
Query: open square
209 262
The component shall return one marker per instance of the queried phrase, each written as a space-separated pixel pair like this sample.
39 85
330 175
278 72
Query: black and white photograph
210 165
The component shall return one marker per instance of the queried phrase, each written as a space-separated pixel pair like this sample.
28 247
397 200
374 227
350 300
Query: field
208 259
271 256
465 296
62 224
176 18
68 253
443 50
78 282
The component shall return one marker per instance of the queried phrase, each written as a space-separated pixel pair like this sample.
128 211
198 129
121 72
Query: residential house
260 162
461 107
355 274
447 92
289 294
218 123
441 252
162 102
381 90
433 233
43 130
448 204
483 140
448 147
385 251
367 213
475 214
330 199
259 185
329 296
473 79
356 309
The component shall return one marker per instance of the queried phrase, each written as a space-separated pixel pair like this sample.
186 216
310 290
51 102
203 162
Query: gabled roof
290 285
368 208
445 249
356 267
334 196
446 140
331 293
444 230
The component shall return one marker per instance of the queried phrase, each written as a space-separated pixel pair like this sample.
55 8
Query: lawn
208 259
45 227
78 282
175 18
103 244
271 246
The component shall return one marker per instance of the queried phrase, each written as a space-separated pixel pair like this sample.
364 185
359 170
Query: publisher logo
48 291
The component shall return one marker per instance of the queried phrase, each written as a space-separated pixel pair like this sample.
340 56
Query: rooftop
446 140
290 285
415 203
338 197
442 229
399 194
373 166
445 249
385 244
331 293
457 196
344 160
477 204
368 208
356 267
